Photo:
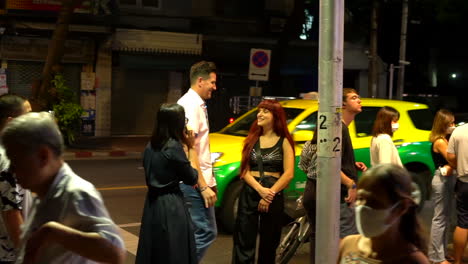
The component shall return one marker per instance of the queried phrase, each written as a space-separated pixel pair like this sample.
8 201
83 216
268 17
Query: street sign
259 64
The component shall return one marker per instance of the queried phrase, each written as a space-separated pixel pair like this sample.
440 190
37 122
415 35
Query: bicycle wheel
289 244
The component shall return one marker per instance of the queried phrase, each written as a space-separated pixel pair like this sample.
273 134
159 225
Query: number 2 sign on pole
329 126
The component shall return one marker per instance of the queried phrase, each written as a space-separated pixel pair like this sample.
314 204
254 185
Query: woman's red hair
280 127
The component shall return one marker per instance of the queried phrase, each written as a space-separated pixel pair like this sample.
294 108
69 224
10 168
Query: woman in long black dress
166 234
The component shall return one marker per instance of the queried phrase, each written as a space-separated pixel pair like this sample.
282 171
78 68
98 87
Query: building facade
138 54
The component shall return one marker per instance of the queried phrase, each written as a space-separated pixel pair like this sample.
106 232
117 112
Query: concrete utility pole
402 61
390 81
329 129
373 71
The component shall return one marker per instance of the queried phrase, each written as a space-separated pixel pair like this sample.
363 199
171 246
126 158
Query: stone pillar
103 90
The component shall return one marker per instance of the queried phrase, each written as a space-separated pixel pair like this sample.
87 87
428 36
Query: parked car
411 139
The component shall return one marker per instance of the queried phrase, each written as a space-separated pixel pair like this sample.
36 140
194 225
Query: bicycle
297 233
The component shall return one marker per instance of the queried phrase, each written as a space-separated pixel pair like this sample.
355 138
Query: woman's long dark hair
396 181
170 123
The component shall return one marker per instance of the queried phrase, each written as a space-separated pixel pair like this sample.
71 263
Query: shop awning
134 40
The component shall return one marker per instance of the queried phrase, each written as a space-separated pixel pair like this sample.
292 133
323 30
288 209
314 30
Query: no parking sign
259 64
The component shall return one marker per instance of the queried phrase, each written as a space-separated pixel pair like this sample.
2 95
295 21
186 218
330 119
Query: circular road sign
260 59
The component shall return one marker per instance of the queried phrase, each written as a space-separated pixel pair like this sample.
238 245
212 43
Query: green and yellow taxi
411 140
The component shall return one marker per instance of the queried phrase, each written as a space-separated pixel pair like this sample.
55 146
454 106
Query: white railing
242 104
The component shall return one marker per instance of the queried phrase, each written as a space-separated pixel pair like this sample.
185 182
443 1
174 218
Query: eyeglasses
355 97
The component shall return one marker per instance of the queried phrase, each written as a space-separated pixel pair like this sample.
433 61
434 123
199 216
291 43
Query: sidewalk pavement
106 147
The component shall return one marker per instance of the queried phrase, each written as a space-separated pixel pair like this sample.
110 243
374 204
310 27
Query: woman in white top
382 149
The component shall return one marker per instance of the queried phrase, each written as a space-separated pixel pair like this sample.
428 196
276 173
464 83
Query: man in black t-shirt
349 166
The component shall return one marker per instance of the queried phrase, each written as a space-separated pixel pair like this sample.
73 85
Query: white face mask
395 126
370 222
450 129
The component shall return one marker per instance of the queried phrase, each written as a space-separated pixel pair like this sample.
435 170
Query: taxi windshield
242 126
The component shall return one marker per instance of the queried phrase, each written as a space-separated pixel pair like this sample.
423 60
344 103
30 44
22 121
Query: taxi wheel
229 210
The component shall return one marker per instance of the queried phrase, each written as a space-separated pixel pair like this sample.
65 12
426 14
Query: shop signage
45 5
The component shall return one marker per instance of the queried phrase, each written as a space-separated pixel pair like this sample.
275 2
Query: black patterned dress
11 198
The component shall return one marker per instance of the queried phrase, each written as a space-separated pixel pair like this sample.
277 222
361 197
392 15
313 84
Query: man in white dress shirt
200 200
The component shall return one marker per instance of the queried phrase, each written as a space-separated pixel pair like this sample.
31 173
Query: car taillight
231 120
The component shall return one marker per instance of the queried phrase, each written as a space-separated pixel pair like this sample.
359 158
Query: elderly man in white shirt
200 200
68 222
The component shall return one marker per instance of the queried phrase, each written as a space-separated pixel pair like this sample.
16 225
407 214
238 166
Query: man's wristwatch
353 186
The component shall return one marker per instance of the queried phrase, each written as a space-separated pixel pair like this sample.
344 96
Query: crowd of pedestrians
388 229
51 215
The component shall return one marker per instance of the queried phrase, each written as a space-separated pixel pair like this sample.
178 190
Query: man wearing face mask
457 156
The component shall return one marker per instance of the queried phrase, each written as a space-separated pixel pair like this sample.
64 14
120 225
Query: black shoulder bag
259 161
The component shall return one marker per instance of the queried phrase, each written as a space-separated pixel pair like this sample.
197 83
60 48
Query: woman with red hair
267 167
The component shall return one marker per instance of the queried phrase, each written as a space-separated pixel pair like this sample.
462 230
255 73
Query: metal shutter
21 74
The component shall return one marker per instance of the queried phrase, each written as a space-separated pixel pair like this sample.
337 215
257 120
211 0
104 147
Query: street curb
68 155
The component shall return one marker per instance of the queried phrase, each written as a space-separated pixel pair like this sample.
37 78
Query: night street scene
233 131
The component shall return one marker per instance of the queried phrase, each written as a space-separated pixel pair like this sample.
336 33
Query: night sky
434 40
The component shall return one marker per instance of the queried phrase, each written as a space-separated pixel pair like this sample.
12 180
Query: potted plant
66 108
